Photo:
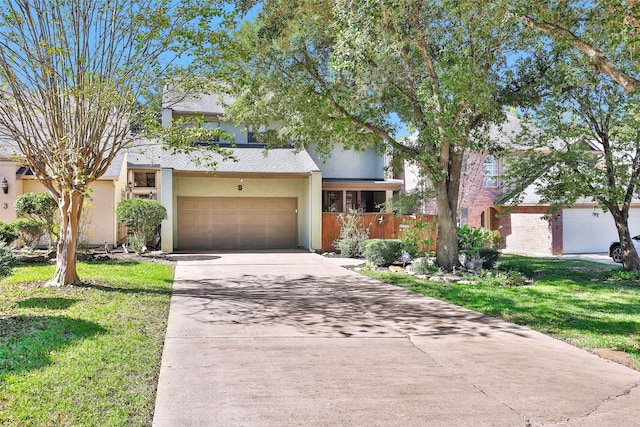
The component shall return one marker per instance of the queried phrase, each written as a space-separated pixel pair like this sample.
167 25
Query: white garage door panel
584 232
237 223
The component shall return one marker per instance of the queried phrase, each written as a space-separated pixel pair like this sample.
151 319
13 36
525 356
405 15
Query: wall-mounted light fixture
4 185
129 187
151 195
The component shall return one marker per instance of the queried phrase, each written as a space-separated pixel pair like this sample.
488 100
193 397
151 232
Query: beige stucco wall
8 171
299 188
99 210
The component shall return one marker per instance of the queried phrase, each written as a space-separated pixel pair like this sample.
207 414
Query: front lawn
589 305
87 355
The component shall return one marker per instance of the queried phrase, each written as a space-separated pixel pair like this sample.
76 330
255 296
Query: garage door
237 223
529 233
584 232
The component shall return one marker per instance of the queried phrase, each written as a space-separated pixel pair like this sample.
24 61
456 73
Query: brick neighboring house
580 228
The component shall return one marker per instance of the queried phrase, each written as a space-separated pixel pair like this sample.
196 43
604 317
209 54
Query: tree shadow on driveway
349 305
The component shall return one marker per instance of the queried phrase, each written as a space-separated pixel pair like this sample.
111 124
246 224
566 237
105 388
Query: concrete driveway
294 339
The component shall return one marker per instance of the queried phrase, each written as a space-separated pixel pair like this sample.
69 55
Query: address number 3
5 205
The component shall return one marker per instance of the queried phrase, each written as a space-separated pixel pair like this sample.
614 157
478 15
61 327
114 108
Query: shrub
143 216
7 260
30 230
489 257
480 243
502 278
424 266
382 251
417 237
8 233
352 235
42 207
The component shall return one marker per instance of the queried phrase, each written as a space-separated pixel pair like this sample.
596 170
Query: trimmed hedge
383 252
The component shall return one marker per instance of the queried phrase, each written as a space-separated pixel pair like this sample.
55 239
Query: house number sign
5 205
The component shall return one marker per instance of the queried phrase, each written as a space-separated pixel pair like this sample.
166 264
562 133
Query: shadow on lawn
48 303
27 342
133 290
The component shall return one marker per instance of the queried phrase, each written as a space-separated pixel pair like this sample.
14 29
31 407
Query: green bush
41 207
383 251
489 257
8 233
417 237
352 235
480 243
144 217
30 231
7 260
502 278
423 266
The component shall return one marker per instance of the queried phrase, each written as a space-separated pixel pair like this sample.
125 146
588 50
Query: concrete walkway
294 339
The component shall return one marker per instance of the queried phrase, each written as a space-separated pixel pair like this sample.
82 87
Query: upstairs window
144 179
490 169
210 125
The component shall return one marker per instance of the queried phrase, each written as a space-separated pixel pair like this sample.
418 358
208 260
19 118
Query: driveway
282 339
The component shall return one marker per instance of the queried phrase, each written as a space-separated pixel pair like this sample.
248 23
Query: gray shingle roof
250 159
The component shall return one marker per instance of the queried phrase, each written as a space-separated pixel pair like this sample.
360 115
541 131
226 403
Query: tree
72 76
587 142
609 45
338 72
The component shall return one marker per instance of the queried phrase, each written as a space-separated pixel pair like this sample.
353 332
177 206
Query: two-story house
260 199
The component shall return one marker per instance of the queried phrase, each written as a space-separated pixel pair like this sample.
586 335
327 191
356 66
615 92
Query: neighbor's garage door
584 232
237 223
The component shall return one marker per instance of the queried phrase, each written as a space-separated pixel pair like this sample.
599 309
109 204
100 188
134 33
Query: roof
195 103
9 149
251 158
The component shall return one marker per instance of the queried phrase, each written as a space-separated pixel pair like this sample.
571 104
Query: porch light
150 194
4 185
129 187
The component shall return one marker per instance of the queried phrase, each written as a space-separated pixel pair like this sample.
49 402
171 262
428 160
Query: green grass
589 305
82 356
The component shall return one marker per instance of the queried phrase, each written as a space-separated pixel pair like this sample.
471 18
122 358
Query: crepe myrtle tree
73 76
348 72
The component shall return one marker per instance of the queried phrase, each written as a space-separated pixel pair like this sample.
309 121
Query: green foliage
318 68
7 260
489 257
418 236
30 231
42 207
501 278
472 239
143 216
8 233
352 235
424 266
382 252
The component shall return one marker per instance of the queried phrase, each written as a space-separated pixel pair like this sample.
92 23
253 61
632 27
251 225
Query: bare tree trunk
70 212
630 259
447 256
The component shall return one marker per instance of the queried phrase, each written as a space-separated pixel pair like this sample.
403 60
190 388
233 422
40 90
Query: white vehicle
615 250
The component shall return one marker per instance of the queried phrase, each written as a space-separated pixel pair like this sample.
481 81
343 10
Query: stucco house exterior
263 199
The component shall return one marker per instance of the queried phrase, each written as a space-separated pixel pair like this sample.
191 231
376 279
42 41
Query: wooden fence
381 226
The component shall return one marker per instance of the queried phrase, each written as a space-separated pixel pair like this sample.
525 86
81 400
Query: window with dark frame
144 179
